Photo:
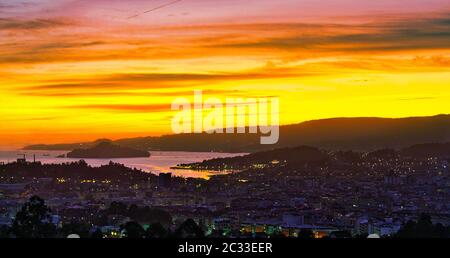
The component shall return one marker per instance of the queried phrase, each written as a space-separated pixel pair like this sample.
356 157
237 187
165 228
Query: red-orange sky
75 70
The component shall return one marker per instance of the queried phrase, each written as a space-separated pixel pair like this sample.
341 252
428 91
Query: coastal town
342 194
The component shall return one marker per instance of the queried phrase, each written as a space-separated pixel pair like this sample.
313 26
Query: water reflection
159 162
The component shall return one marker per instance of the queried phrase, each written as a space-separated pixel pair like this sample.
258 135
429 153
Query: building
165 180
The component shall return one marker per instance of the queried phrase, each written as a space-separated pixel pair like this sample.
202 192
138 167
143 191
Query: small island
107 150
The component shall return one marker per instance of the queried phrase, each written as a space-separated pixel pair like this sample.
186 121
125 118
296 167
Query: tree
441 231
423 228
156 230
189 229
150 215
33 220
132 230
97 234
408 230
4 231
118 208
278 234
340 234
133 210
306 234
217 233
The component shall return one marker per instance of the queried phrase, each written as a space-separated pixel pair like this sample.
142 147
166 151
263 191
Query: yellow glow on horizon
118 81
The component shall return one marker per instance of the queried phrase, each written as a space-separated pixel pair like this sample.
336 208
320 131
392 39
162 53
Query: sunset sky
78 70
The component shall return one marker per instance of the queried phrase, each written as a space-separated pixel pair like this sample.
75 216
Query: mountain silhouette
362 134
107 150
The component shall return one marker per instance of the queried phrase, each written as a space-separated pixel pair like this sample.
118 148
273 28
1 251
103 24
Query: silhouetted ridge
294 156
361 134
441 150
107 150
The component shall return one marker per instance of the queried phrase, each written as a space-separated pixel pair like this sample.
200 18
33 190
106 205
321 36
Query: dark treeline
305 155
75 170
34 221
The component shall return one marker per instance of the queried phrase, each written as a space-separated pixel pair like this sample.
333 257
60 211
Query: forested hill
362 134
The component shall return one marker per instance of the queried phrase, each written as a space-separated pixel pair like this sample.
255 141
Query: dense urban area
293 192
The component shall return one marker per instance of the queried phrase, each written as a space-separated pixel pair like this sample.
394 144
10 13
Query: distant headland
359 133
107 150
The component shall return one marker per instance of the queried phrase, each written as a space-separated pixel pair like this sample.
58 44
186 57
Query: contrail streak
154 9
